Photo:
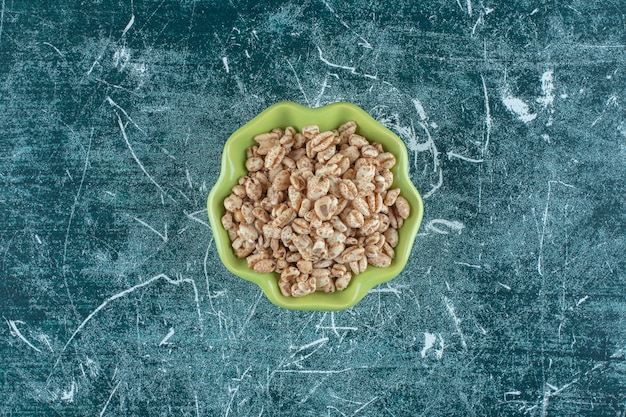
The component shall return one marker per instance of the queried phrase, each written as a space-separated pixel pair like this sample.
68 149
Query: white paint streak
106 404
468 265
429 342
453 225
420 109
361 408
1 19
582 300
322 90
68 395
455 319
15 331
547 89
167 337
191 216
55 49
487 117
545 222
43 338
388 289
345 67
161 235
320 341
188 175
464 158
128 25
517 106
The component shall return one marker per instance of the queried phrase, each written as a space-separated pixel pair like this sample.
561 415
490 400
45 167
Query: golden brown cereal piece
391 237
302 242
386 159
246 213
348 189
248 232
290 273
297 182
244 250
361 205
232 203
305 206
301 289
369 226
369 151
342 282
402 207
305 266
285 286
254 164
310 131
274 157
266 137
253 259
322 141
384 222
299 140
254 189
317 187
365 188
227 221
293 257
357 141
354 219
352 153
285 217
380 261
325 207
265 266
325 231
391 196
282 180
347 129
239 190
339 225
335 249
352 254
261 214
388 250
372 251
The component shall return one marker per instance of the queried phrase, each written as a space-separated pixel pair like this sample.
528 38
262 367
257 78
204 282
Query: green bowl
285 114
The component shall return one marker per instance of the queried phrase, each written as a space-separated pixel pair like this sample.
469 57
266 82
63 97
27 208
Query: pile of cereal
316 207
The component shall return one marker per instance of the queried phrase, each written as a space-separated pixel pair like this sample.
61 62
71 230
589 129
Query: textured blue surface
113 299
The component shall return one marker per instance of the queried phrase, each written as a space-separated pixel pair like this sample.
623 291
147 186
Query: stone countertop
113 115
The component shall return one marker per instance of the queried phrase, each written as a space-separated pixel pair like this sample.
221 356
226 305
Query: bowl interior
285 114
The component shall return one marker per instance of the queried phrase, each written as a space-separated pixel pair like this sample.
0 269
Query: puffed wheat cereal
316 207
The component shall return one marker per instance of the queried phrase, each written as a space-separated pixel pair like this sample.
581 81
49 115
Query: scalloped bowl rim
283 114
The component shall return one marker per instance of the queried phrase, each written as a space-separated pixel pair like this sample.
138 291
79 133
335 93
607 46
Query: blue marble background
115 303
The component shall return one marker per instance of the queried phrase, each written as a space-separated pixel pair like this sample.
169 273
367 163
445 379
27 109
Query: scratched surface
114 301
